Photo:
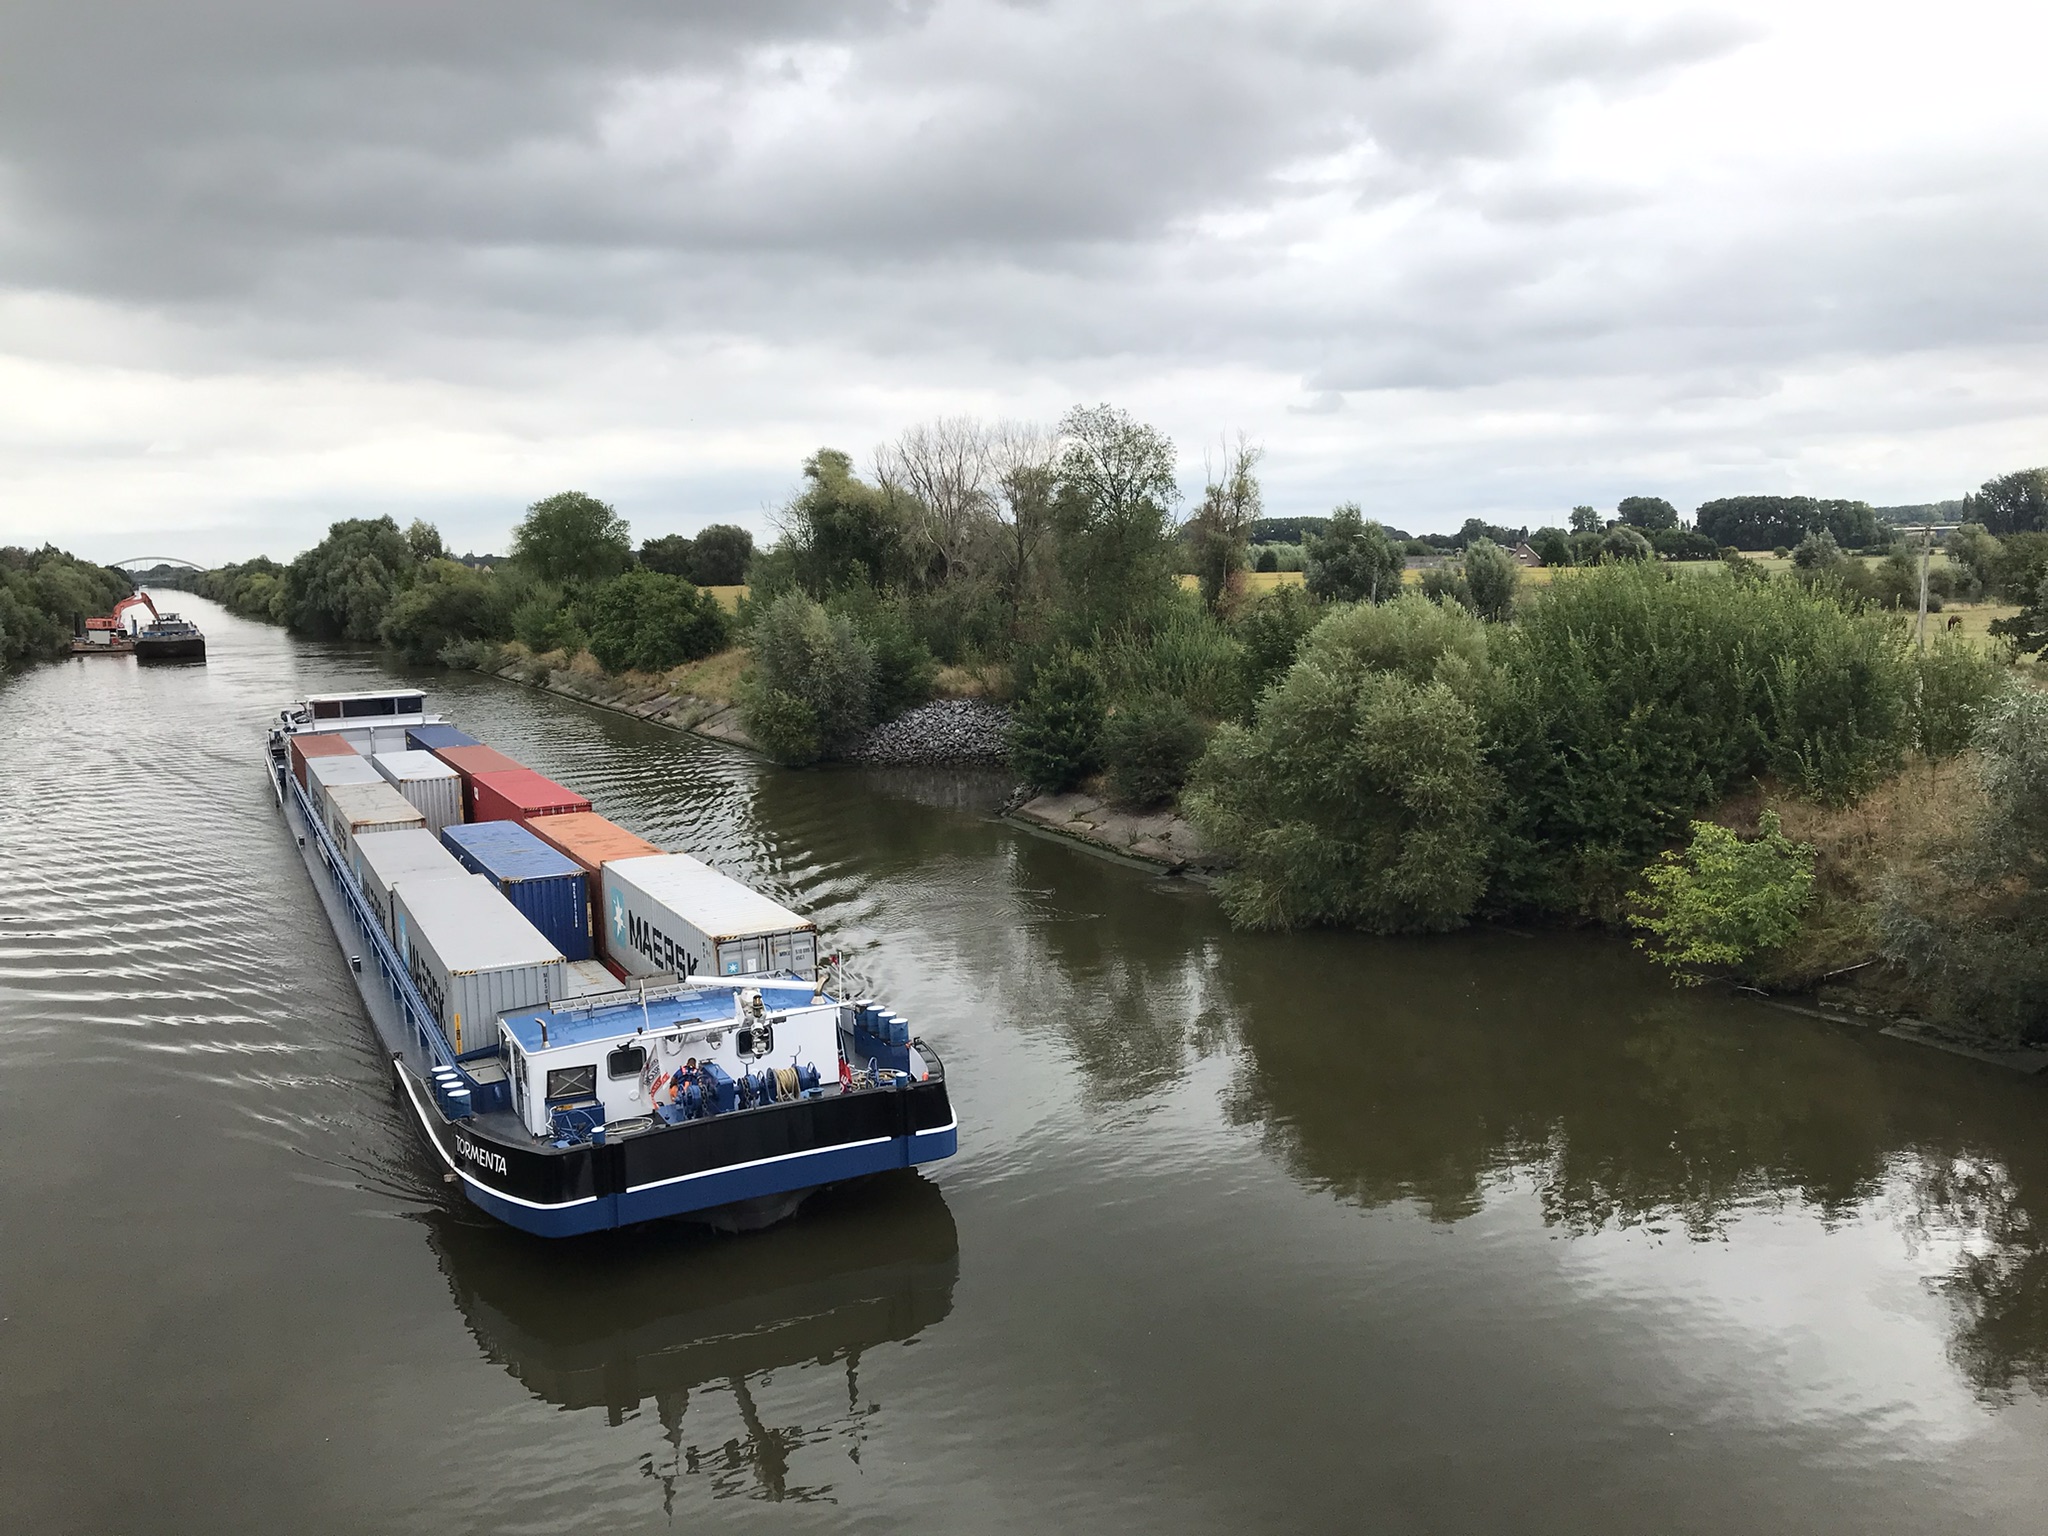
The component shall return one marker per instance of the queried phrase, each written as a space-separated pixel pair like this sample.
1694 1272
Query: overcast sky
264 264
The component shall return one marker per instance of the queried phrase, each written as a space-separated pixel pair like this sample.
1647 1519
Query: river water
1246 1233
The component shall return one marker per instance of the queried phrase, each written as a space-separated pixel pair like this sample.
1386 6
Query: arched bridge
152 562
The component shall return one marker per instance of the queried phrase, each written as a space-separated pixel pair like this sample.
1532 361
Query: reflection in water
671 1311
1627 1108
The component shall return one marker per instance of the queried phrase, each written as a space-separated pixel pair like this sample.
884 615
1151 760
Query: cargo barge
591 1032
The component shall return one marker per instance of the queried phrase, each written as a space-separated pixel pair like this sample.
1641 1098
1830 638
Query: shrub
1185 653
1629 699
1723 901
1491 579
1056 734
447 603
645 621
542 623
1623 543
719 555
1952 682
1360 795
1148 748
1972 926
1267 560
1446 584
1269 631
782 725
812 656
905 670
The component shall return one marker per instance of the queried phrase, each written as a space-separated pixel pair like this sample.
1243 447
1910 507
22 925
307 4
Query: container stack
429 785
473 956
520 794
312 746
547 888
670 913
356 809
590 842
383 861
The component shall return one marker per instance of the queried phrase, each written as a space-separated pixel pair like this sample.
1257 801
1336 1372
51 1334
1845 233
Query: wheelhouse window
626 1061
573 1082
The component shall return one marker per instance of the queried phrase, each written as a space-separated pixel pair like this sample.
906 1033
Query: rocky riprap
945 731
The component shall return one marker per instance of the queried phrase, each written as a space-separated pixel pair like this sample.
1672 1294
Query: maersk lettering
662 952
483 1157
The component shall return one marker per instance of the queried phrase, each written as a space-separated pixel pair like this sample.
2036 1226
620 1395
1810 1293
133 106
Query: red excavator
164 637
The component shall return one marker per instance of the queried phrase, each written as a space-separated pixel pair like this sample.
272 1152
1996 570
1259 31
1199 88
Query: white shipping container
428 784
382 861
668 913
473 955
356 809
323 773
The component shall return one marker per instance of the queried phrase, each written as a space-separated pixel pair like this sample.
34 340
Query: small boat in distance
169 638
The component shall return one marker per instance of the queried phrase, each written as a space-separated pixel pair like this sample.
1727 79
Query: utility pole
1926 548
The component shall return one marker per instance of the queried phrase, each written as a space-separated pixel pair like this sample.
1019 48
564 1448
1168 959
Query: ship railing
426 1029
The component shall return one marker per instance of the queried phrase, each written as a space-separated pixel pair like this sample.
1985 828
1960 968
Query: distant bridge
151 562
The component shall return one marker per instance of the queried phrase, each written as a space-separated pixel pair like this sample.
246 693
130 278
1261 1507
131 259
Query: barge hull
723 1170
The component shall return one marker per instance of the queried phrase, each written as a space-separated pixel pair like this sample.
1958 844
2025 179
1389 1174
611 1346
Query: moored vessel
699 1064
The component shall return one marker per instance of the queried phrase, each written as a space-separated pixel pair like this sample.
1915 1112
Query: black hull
185 648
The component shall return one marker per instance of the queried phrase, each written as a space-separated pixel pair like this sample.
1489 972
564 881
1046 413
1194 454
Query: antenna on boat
644 1024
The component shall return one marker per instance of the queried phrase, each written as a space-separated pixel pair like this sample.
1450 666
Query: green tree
905 670
424 540
1354 561
1230 505
669 554
1270 630
1551 546
818 658
647 621
1492 578
1624 543
719 555
1723 902
1056 731
1360 796
1114 489
1648 513
446 603
1585 520
340 588
2014 503
571 537
838 530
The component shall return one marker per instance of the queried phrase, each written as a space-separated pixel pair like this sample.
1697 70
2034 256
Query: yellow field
728 597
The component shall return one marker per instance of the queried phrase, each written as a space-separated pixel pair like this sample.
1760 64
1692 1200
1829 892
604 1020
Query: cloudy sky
266 264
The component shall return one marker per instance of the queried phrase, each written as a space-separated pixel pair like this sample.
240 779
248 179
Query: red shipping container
469 762
317 744
518 794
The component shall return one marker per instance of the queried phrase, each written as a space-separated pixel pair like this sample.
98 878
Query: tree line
42 591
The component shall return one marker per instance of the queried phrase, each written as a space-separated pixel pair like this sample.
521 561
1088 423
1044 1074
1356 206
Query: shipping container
469 762
428 784
316 744
672 913
588 978
325 773
591 842
383 861
520 794
547 887
427 738
356 809
473 956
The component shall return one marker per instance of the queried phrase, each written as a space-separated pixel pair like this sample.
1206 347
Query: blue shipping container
546 887
424 738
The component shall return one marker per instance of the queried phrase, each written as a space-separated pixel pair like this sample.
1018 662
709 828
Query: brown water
1495 1233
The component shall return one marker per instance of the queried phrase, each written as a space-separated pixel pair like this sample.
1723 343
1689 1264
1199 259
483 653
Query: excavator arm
133 600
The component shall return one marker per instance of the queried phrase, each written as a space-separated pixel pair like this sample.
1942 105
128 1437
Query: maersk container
311 744
430 785
520 794
356 809
426 738
473 956
383 861
672 913
326 773
540 882
469 762
591 842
